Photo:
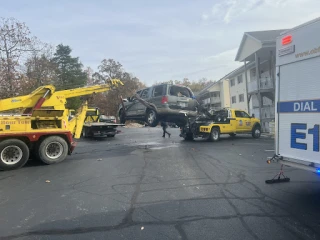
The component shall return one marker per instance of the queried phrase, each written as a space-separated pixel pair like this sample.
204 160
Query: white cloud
226 55
230 10
205 16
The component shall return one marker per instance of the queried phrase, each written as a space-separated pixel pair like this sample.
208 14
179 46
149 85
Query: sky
158 40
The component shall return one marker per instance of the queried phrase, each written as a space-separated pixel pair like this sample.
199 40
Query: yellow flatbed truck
224 121
43 127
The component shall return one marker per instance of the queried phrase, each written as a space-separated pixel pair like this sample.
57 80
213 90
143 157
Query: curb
267 135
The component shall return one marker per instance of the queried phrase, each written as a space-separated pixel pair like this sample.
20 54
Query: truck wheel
152 118
14 153
121 116
52 150
84 133
256 132
215 134
189 137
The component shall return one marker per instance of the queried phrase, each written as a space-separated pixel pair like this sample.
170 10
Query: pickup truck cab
225 121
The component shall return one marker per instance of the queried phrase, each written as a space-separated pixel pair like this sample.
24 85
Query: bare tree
15 40
39 69
110 69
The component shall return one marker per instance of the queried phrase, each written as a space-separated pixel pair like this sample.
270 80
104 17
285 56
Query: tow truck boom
47 96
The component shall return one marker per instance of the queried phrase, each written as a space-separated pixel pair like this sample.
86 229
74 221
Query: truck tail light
164 100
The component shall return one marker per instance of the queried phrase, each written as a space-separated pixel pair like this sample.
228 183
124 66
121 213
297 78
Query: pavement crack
128 217
244 224
181 231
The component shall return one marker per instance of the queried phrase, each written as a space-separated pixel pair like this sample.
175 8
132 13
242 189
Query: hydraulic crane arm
46 96
29 100
76 92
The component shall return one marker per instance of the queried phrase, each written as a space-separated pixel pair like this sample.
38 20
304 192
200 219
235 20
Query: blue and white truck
297 121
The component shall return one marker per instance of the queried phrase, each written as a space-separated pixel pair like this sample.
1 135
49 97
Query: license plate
182 104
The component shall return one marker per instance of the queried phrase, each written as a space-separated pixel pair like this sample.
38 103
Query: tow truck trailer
43 129
95 128
297 100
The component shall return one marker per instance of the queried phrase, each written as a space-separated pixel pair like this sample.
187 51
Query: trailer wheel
14 153
215 134
256 131
84 133
152 118
52 150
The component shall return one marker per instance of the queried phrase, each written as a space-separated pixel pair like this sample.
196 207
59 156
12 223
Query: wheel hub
151 117
215 135
54 150
257 132
11 155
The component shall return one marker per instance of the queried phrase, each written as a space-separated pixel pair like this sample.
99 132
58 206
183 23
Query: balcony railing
268 112
265 84
215 100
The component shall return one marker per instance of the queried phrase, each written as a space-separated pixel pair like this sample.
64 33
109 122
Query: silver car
170 103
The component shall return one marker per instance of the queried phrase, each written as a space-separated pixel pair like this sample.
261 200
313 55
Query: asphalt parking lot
139 185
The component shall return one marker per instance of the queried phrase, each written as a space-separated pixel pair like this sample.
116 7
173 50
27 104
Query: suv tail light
164 100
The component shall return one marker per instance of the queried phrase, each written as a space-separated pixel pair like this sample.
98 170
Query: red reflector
164 100
286 40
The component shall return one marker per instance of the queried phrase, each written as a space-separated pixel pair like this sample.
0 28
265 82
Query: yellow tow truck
43 126
225 121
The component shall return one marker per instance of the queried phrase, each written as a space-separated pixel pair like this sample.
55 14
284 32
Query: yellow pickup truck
225 121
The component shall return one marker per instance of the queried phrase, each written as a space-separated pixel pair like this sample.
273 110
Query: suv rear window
157 91
179 91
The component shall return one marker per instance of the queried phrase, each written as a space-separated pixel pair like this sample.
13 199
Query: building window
240 80
252 74
215 94
233 99
232 82
241 98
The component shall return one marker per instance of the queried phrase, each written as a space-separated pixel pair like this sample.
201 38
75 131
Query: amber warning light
286 40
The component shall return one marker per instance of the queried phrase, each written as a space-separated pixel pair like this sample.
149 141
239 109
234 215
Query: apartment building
216 95
257 52
251 86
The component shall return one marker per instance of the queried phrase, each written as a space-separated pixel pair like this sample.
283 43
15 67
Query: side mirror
253 115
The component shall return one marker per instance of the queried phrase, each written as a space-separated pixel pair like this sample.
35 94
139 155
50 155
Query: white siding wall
236 90
224 93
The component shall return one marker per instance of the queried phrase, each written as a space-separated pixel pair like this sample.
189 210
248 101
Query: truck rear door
297 96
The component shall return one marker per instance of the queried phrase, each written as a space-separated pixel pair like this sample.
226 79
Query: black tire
84 134
110 135
121 116
152 118
189 137
215 134
232 134
14 154
52 150
256 131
